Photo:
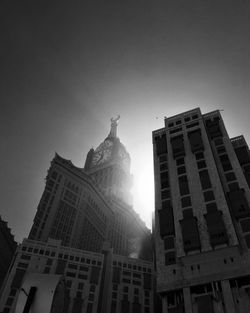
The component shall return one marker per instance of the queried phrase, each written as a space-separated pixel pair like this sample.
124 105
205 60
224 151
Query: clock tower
109 165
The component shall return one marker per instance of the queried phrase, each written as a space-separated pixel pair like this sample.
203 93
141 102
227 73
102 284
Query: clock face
102 153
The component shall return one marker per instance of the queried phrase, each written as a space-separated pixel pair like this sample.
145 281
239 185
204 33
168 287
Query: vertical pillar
228 297
164 304
187 300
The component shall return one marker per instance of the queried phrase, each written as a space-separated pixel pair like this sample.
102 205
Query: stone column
228 297
187 300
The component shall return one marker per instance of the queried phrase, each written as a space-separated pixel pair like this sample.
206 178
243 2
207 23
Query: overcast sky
67 67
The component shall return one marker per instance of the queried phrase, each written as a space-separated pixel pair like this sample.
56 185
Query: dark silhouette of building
202 215
7 249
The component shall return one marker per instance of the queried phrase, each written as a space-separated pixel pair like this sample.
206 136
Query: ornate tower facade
109 165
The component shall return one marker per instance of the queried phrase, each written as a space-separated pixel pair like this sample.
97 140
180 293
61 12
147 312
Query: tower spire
113 129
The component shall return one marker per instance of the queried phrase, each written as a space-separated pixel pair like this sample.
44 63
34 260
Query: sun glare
143 190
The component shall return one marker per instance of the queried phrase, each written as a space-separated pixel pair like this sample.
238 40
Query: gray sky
68 66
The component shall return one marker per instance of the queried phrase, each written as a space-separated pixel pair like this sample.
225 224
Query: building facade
202 215
96 282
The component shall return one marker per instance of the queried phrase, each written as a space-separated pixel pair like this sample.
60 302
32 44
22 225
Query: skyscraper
86 231
202 215
84 207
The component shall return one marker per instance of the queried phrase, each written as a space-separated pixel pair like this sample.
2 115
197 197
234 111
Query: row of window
186 119
132 266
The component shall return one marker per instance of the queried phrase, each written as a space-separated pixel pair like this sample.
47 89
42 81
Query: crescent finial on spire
114 123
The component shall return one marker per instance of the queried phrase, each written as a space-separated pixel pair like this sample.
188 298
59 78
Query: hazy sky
67 67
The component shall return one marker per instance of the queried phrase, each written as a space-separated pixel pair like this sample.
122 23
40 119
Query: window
177 146
170 125
247 238
161 144
218 141
211 207
190 234
175 130
169 243
162 158
163 166
199 155
183 185
245 225
180 161
181 170
187 119
195 139
221 150
25 257
178 122
80 286
192 125
208 196
205 180
233 186
226 164
164 194
89 307
201 164
185 202
170 258
164 180
230 176
187 213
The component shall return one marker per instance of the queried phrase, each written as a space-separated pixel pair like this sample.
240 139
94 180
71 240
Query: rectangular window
226 164
247 238
221 150
195 139
192 125
166 194
216 228
201 164
166 221
169 243
178 148
185 202
161 144
183 185
208 195
181 170
176 130
205 180
245 225
163 166
199 156
218 142
190 234
230 176
170 258
238 204
213 128
162 158
180 161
